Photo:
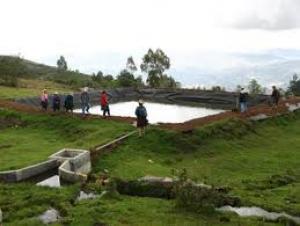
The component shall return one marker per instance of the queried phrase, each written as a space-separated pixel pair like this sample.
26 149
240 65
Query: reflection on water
258 212
157 112
53 182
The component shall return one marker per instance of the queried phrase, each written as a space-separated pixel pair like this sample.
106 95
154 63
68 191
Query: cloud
270 15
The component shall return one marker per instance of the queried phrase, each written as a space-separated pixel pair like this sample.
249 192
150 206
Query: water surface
158 112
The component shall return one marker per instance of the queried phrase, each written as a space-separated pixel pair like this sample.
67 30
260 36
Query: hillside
14 68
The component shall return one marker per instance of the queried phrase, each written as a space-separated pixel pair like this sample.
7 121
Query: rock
259 117
84 196
49 216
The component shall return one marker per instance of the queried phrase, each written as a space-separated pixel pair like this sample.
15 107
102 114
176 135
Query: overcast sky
94 32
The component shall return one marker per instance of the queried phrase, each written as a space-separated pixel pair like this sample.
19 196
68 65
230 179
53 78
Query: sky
98 34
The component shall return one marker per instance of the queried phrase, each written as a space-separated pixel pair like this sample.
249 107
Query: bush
199 199
10 81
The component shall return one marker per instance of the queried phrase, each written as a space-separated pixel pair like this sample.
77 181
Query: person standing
275 96
104 103
141 114
69 103
56 102
243 100
85 100
44 100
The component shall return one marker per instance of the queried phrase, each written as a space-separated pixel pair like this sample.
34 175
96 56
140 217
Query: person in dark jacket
85 101
141 114
69 103
104 103
275 96
243 98
56 102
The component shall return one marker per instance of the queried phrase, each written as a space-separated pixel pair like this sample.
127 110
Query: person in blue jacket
141 114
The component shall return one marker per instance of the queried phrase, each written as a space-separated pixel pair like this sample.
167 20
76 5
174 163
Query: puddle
53 182
49 216
158 112
258 212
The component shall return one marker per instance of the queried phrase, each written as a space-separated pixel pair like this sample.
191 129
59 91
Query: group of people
140 112
243 99
69 102
56 101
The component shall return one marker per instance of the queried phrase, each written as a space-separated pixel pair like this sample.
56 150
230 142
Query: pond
158 112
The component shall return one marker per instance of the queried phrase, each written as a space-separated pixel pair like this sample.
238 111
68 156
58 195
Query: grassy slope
30 87
42 135
22 203
33 77
245 163
265 149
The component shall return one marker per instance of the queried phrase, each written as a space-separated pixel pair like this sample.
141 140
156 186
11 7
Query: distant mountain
272 74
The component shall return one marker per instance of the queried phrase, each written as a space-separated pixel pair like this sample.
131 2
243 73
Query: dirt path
186 126
35 110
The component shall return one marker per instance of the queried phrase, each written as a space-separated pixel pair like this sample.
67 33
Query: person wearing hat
69 103
141 114
56 102
243 100
104 103
44 100
85 100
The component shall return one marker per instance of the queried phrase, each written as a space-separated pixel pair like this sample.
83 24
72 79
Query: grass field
29 88
22 203
258 162
26 139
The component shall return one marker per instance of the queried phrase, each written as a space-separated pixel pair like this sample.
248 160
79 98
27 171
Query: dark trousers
106 110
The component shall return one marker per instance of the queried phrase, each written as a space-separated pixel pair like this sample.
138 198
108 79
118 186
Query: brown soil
35 110
260 109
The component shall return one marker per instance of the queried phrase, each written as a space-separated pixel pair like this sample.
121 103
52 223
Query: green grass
22 203
232 153
29 88
37 136
259 162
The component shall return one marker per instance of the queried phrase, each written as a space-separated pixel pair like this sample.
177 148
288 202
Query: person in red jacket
104 104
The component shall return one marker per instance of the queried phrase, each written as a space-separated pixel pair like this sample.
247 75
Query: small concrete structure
73 165
28 172
76 164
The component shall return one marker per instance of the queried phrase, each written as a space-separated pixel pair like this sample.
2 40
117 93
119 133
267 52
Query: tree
130 65
254 88
216 88
98 77
154 64
126 79
108 78
62 64
169 82
294 86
